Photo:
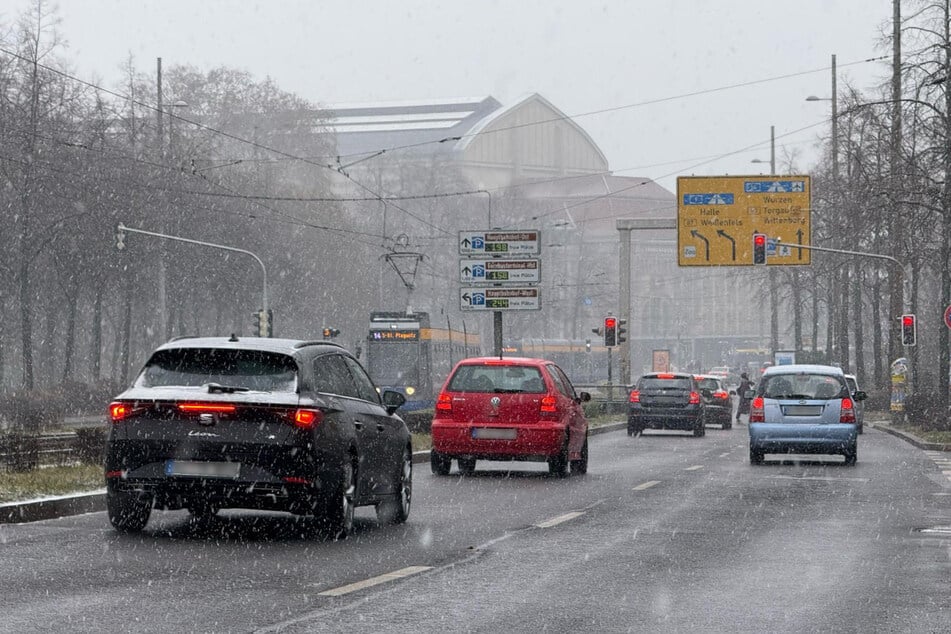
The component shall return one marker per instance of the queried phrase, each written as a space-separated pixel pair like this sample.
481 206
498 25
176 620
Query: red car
509 409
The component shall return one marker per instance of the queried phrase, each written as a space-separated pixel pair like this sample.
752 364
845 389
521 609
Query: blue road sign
708 199
774 187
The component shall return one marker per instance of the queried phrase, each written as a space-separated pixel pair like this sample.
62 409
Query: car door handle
358 425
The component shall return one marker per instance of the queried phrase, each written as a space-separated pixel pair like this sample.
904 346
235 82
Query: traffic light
621 330
759 248
330 333
610 331
263 324
909 334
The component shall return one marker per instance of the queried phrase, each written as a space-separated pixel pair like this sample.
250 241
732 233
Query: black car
716 400
256 423
666 400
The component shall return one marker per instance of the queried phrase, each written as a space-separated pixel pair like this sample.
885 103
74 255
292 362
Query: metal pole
264 306
773 276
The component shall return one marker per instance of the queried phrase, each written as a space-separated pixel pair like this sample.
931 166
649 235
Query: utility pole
162 272
773 274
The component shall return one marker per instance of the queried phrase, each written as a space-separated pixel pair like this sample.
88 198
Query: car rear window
254 370
802 386
500 378
652 383
708 384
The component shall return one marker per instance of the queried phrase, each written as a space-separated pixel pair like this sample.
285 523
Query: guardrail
25 452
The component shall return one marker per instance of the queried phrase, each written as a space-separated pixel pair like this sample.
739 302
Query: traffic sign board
718 215
500 298
486 271
515 242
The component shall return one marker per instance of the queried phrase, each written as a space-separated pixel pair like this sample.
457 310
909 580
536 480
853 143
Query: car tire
728 424
336 514
756 456
396 509
128 511
466 465
851 455
440 463
634 430
558 464
700 431
861 429
580 466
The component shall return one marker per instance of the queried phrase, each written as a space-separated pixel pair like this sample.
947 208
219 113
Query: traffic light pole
122 229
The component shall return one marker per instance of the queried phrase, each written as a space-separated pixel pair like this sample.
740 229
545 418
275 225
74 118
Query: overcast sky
583 56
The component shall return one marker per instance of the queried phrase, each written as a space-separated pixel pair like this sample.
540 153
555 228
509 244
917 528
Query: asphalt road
666 533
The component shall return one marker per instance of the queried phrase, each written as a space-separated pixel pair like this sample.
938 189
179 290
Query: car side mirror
860 395
393 400
584 397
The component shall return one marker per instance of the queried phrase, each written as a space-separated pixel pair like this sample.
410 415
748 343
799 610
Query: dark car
509 409
666 400
256 423
716 400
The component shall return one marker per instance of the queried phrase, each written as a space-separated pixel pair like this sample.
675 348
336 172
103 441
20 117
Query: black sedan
256 423
716 400
666 400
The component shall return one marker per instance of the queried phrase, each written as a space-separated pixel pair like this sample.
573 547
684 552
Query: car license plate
802 410
200 469
494 433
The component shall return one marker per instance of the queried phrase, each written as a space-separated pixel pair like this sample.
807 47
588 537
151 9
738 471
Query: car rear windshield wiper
216 388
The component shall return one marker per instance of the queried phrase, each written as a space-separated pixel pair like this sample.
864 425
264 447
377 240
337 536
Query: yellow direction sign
718 215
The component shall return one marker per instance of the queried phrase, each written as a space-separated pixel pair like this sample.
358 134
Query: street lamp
772 151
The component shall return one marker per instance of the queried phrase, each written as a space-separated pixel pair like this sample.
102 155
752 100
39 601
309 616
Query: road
666 533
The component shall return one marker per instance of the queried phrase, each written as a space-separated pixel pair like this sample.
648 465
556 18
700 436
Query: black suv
269 424
666 400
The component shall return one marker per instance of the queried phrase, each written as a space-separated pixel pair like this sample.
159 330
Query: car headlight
410 390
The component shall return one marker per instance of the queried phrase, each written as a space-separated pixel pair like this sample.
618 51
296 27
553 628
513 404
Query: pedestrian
743 407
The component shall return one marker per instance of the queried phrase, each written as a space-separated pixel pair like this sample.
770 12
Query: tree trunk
95 353
72 300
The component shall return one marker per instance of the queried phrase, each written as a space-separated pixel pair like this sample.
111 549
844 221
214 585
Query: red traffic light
907 320
610 322
759 239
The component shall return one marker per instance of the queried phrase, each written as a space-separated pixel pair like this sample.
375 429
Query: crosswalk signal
759 248
621 330
909 330
610 331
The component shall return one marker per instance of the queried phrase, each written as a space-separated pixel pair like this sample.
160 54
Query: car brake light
549 405
694 398
847 412
635 396
757 413
307 418
664 376
202 408
119 410
721 394
444 403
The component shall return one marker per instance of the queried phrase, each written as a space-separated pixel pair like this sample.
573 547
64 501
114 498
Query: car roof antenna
234 337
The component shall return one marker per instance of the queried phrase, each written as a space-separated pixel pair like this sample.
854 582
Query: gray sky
583 56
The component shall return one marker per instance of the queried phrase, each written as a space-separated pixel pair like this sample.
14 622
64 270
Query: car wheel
862 428
558 464
439 462
701 430
756 456
128 511
851 455
337 516
728 424
634 430
580 466
396 510
466 465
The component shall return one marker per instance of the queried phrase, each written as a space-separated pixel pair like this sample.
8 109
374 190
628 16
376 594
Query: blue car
804 409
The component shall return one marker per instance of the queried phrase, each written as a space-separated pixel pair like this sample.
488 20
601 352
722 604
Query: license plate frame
203 469
494 433
802 410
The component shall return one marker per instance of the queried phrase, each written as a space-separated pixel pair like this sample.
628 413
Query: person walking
743 407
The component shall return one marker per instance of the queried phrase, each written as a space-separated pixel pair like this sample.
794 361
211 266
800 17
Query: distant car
256 423
859 405
666 400
716 400
509 409
804 409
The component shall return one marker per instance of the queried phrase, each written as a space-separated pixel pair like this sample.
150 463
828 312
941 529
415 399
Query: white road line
558 520
694 468
374 581
646 485
725 455
819 478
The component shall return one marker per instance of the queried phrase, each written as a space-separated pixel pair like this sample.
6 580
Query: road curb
914 440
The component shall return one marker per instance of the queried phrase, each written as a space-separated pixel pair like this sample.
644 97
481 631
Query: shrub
927 411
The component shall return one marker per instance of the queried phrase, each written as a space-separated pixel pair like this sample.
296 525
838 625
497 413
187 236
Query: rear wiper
216 388
501 390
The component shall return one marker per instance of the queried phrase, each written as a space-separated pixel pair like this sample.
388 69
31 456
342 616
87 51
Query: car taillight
444 403
119 410
307 418
757 412
549 405
635 396
694 398
721 394
206 408
847 412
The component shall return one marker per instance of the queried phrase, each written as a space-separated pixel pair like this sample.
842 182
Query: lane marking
558 520
646 485
694 468
819 478
374 581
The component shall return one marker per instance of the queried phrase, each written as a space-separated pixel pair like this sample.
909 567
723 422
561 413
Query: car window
251 369
561 381
654 383
332 376
503 378
708 384
365 388
802 386
853 386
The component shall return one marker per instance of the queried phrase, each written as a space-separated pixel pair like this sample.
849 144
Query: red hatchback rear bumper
499 442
